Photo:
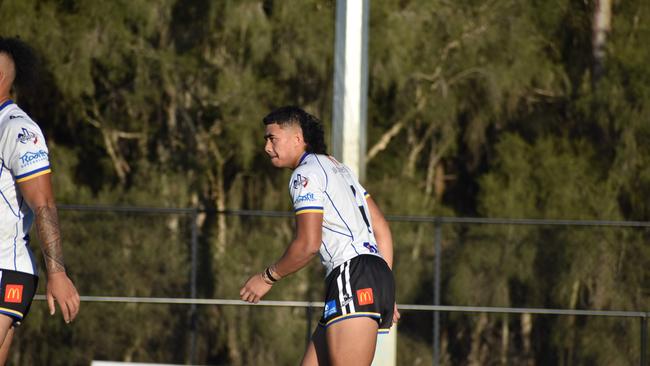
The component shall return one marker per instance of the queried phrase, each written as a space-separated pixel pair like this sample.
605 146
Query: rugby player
336 218
27 197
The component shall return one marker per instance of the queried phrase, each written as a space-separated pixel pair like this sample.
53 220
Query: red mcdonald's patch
14 293
364 296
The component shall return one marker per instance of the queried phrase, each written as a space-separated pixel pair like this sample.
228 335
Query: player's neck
301 157
4 98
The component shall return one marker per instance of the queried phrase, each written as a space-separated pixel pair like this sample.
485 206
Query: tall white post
350 111
351 84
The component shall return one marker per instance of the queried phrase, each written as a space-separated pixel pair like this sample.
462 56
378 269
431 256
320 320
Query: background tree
475 108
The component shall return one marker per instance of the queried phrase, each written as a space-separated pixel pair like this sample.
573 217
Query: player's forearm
47 224
295 258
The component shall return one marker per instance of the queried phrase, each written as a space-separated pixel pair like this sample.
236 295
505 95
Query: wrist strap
269 274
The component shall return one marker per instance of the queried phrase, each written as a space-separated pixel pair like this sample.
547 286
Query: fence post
308 314
644 340
193 275
436 293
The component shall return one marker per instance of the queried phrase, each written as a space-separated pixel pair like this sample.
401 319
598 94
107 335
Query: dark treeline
498 108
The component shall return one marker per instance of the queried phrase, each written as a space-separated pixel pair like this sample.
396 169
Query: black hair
312 127
24 58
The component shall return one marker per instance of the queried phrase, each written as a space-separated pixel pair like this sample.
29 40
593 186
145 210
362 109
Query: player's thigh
6 336
352 341
6 323
316 354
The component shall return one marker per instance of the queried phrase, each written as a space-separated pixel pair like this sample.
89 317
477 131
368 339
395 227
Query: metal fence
436 307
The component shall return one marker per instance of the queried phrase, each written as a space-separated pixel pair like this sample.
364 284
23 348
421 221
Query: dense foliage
476 108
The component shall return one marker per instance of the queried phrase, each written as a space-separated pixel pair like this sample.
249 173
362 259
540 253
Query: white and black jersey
358 280
323 185
24 156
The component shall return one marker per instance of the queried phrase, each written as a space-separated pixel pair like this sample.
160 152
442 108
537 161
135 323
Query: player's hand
396 314
61 289
254 289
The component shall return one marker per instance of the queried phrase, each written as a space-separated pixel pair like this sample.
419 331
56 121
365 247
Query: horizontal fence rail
436 307
320 304
397 218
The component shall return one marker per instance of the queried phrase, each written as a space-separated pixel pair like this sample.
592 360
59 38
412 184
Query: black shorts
17 291
362 286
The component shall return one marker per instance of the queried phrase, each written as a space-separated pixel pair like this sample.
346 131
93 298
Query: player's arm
304 247
301 250
381 231
384 241
38 194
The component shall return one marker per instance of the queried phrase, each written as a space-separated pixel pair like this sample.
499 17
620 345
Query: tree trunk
475 358
601 27
573 302
526 330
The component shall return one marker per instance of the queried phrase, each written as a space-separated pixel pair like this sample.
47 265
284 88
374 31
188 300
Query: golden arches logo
364 296
14 293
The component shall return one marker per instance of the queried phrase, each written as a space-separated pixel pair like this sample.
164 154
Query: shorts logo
330 309
346 300
14 293
364 296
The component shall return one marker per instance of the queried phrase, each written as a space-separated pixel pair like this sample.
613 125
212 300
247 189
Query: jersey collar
304 155
9 101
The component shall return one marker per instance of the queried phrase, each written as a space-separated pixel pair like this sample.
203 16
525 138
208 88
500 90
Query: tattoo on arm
47 224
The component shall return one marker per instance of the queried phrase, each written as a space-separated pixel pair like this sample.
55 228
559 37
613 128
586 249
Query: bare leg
316 354
352 341
6 335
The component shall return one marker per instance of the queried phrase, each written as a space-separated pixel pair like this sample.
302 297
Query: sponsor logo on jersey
14 116
364 296
14 293
300 181
30 158
330 308
307 197
371 247
26 135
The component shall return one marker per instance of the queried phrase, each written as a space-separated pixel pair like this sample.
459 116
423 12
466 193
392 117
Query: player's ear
299 138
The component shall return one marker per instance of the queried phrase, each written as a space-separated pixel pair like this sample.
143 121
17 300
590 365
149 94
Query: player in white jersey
26 197
336 218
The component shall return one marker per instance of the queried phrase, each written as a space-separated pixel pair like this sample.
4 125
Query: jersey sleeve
23 149
307 192
365 193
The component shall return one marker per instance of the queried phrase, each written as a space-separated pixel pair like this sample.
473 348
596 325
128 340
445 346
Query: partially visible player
336 218
27 197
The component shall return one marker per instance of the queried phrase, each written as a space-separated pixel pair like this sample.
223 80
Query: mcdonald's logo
364 296
14 293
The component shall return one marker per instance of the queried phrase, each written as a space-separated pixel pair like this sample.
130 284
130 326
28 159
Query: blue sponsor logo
371 247
30 158
330 309
307 197
26 135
